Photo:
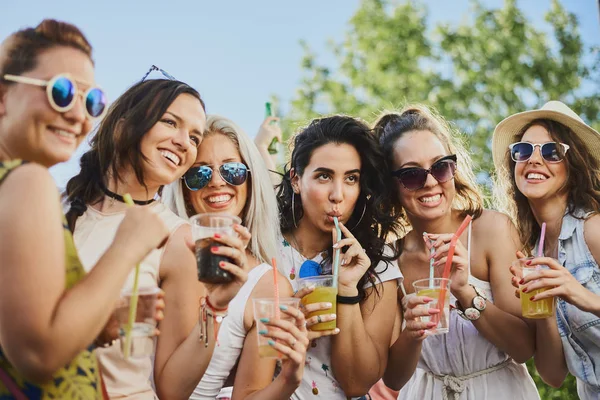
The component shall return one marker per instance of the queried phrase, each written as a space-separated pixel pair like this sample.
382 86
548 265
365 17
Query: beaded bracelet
216 314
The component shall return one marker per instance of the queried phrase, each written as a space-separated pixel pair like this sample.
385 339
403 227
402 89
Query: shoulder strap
11 385
7 167
469 248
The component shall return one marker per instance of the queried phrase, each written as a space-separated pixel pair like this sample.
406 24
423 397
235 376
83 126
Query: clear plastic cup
324 292
432 288
204 227
142 332
538 309
265 308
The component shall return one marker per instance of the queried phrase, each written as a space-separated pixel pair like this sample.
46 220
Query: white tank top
94 232
231 336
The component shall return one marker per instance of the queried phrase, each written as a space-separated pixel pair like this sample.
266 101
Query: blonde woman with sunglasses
229 177
548 165
50 310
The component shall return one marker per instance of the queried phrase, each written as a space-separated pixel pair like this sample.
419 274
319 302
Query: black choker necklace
120 198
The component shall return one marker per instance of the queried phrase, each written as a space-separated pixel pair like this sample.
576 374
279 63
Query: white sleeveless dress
463 365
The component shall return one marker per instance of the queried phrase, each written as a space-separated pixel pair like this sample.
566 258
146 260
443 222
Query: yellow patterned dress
80 379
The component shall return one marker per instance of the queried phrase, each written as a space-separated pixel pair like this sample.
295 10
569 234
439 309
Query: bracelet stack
207 311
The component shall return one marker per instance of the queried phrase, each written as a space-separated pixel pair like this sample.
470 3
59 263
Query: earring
361 216
293 210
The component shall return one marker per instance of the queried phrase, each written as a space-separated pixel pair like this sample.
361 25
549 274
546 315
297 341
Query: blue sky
236 53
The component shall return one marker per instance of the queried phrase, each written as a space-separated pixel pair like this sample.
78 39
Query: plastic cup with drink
324 291
141 342
204 227
267 309
432 287
538 309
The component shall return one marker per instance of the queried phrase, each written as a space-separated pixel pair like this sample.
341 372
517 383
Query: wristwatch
478 305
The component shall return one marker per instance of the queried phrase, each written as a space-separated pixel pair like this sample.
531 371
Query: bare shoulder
495 221
177 256
29 189
264 286
494 230
591 233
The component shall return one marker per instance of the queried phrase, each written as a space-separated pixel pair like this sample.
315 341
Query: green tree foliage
475 73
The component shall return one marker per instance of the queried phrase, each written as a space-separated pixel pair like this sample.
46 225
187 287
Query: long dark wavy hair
582 184
390 127
117 143
378 219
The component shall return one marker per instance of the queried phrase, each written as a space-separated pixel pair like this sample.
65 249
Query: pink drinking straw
446 274
541 244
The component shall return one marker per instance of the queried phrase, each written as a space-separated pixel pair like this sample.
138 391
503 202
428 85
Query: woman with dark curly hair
479 357
548 164
334 171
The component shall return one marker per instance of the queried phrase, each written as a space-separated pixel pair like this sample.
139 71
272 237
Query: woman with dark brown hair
50 310
148 139
548 166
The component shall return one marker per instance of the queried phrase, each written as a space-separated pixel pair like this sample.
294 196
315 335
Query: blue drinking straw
336 253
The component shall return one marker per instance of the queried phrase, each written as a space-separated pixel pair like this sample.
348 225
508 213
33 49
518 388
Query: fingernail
217 236
214 248
335 246
328 305
336 331
528 262
431 324
282 307
333 315
271 342
433 311
522 281
532 298
221 263
427 300
263 332
525 290
344 262
264 320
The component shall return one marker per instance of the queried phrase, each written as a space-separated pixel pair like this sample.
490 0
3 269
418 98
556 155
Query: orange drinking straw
274 262
446 274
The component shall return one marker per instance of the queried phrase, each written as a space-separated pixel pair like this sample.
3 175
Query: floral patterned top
78 380
318 381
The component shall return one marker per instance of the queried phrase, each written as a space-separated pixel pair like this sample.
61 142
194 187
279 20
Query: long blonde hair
390 126
260 213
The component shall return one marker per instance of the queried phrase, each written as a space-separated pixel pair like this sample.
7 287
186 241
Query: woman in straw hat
548 165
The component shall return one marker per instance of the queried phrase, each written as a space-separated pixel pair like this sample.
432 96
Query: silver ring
319 319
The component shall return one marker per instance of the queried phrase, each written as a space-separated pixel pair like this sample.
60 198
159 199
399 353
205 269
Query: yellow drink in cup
432 288
534 309
265 308
324 292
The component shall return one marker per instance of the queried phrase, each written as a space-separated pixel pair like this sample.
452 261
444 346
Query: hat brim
507 130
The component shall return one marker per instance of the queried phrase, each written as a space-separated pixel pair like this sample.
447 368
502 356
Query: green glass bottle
269 113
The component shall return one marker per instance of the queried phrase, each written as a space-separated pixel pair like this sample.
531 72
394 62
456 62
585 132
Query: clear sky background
236 53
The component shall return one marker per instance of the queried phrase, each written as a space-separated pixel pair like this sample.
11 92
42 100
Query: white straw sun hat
507 130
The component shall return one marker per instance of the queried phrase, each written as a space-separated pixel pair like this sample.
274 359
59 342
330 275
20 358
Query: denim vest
579 330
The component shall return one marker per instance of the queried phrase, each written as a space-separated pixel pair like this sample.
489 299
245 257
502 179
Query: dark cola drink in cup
204 228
